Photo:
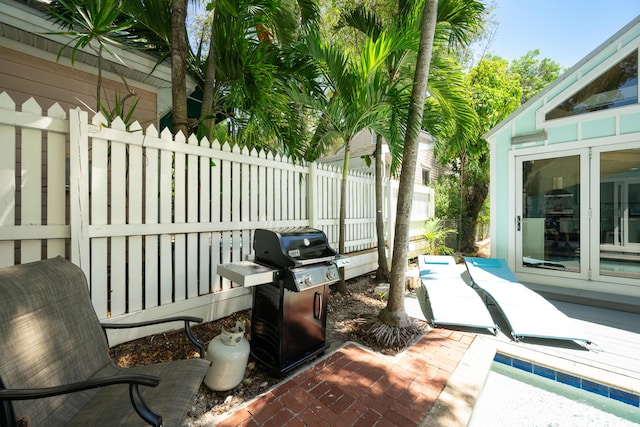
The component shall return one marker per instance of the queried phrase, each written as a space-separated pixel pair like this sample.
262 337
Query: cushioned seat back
49 334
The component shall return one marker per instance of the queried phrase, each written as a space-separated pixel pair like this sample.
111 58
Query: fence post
313 195
79 188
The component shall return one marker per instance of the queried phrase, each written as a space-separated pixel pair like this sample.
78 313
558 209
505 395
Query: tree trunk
342 286
179 66
207 110
394 313
382 274
475 195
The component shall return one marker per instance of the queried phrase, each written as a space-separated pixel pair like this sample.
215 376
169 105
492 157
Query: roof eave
598 50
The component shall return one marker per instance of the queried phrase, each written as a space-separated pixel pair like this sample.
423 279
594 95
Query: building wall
609 129
24 75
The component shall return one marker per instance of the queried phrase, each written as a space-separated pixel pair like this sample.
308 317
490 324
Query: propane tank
228 353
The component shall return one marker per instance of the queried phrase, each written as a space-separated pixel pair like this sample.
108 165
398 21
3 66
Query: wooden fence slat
56 174
31 183
152 188
7 181
180 217
209 211
227 190
166 200
193 166
99 204
118 208
134 200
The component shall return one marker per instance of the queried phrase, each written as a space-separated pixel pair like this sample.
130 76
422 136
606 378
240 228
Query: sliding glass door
619 213
549 213
578 214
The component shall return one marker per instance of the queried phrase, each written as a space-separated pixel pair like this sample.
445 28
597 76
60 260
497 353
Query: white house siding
585 135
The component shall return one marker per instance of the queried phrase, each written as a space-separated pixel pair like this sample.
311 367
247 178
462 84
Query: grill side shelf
247 273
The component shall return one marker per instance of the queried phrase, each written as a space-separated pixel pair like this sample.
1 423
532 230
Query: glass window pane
617 87
551 213
620 213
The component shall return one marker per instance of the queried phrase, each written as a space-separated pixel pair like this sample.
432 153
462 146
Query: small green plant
436 233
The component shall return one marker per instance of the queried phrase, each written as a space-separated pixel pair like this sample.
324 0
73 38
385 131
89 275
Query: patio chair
55 368
527 313
451 300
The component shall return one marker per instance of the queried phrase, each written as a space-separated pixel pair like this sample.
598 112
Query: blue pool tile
623 396
507 360
543 371
522 364
594 387
571 380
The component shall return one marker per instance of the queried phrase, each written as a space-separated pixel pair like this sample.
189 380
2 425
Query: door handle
518 224
317 305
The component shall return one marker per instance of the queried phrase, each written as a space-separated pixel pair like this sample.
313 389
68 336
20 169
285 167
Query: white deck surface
613 360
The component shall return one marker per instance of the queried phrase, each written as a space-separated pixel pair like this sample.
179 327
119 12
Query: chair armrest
39 393
187 327
134 380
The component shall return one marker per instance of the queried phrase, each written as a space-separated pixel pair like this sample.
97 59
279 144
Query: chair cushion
50 333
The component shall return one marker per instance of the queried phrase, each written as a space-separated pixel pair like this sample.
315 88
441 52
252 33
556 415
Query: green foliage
119 109
436 233
89 22
447 197
534 74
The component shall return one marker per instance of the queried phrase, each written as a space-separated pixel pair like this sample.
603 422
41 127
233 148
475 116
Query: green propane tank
228 353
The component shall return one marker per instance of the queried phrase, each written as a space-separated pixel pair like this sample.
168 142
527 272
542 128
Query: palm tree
446 87
454 19
246 66
394 327
98 26
242 65
357 97
179 66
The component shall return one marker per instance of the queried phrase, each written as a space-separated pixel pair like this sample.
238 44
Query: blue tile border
572 380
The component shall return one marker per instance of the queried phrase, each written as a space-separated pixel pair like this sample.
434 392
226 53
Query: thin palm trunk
382 274
342 286
179 65
207 110
394 314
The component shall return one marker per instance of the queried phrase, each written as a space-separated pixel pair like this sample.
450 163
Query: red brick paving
356 387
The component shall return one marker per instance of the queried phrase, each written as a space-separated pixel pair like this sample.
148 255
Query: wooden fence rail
148 217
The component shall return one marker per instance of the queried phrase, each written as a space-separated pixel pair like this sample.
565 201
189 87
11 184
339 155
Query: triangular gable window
616 87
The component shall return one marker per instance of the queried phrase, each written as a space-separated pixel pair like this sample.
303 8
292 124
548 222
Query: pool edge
455 403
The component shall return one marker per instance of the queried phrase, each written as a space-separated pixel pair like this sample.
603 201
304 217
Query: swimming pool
514 397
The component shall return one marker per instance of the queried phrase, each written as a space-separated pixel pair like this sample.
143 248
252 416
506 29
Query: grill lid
291 247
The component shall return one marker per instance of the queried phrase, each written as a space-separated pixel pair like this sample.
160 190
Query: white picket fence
148 218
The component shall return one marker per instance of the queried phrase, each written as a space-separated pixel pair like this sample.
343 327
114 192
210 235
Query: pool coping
455 404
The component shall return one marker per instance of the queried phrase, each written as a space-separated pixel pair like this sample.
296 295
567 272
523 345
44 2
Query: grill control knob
308 280
332 275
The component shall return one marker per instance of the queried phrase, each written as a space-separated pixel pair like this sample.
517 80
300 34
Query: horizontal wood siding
24 76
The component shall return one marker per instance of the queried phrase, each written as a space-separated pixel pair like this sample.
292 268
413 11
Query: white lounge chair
527 313
453 302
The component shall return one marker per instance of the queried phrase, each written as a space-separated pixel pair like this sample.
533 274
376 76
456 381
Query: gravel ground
346 316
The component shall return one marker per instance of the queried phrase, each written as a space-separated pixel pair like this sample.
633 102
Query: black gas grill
303 255
289 321
291 273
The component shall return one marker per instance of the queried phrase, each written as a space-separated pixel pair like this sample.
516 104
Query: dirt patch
347 314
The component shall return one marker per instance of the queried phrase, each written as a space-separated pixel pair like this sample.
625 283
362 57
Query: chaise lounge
55 368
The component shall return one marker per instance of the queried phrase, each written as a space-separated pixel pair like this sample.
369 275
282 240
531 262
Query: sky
563 30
